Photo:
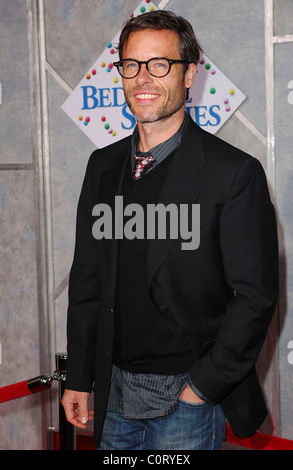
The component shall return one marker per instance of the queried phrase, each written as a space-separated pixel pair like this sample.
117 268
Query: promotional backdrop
60 98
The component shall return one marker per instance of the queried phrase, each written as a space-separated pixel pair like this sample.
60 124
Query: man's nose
143 75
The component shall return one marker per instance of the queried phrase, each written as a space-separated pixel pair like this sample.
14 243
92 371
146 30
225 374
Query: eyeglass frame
140 62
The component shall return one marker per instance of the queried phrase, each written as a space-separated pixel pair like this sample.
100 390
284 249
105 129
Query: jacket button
112 310
108 354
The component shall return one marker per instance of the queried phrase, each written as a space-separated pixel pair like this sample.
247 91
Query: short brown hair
189 48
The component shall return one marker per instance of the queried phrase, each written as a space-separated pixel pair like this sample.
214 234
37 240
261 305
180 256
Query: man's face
149 98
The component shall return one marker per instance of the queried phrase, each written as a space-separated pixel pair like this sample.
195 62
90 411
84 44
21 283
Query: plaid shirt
161 151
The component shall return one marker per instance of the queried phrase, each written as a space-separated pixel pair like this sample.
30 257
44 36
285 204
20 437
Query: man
169 335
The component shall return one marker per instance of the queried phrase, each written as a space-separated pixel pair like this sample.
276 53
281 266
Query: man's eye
130 65
159 65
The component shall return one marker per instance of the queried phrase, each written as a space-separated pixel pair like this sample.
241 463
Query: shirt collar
161 151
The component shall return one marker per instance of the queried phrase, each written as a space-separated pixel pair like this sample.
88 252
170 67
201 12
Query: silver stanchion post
67 435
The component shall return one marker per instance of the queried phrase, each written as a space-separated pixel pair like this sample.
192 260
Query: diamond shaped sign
97 105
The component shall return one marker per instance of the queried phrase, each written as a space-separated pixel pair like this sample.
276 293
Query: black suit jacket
219 298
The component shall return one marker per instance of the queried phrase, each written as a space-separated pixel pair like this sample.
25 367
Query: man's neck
154 133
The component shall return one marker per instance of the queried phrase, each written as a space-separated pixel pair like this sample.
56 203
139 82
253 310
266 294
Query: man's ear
190 75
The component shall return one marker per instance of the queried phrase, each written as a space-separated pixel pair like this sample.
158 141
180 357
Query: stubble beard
162 113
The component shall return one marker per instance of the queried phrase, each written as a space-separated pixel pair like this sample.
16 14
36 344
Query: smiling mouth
146 96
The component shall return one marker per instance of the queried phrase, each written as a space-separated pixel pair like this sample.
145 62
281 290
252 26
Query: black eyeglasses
158 67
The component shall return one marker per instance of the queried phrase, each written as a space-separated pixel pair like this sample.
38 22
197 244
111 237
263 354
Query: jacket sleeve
83 297
249 248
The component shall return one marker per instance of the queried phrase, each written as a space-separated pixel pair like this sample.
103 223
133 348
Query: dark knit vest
143 341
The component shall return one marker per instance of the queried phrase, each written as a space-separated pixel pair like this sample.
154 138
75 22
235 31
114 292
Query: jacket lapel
183 185
111 186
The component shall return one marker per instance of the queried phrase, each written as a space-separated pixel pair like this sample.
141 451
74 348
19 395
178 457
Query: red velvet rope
259 441
17 390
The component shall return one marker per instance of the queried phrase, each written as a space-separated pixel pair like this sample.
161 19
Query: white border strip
163 4
48 216
270 91
58 77
250 126
271 175
281 39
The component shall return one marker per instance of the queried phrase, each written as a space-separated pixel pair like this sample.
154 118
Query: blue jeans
192 426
